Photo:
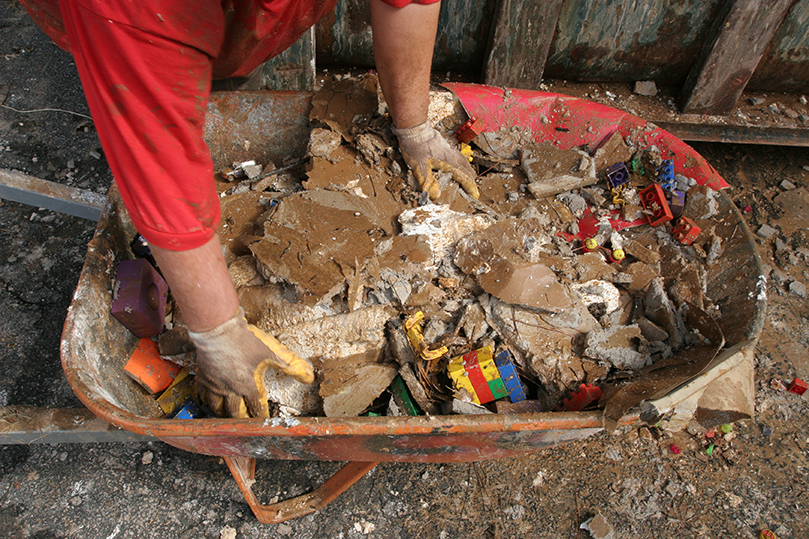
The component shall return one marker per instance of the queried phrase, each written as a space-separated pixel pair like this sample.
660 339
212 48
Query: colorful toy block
686 231
146 367
477 373
468 131
654 201
617 175
676 202
508 372
584 397
139 298
665 175
798 386
189 410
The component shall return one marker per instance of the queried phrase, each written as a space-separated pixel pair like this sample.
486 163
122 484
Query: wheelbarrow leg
244 470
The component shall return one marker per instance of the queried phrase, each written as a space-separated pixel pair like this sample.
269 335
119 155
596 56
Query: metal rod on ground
19 187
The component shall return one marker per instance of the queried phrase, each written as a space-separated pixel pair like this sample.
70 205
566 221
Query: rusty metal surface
615 40
343 38
27 189
244 469
265 126
785 65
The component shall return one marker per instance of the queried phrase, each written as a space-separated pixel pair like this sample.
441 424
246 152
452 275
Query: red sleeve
403 3
148 96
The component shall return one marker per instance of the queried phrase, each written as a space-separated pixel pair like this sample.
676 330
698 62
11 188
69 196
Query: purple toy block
676 203
139 298
617 175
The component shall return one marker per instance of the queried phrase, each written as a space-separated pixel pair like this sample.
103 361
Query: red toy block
686 231
653 199
585 396
798 386
469 130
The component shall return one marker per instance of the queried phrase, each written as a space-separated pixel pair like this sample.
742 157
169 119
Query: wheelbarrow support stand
244 471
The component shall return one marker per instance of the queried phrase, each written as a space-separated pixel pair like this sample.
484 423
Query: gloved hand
425 150
231 361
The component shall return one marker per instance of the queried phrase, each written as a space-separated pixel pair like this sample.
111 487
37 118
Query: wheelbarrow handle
244 471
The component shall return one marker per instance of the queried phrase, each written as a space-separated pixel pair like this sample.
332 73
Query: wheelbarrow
273 125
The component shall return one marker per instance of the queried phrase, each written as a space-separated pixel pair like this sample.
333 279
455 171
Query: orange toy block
146 367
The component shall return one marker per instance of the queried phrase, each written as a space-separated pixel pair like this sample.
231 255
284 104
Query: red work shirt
146 67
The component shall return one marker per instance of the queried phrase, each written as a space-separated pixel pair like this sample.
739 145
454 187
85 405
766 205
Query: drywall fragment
441 227
349 391
622 346
612 150
552 171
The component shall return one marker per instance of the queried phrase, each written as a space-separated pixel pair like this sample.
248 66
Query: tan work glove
425 150
231 361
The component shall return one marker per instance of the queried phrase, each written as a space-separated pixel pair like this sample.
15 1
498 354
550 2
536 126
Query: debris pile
574 272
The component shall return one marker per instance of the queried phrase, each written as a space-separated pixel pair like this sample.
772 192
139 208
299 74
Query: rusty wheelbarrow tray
274 125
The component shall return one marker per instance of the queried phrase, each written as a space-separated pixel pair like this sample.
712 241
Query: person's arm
404 38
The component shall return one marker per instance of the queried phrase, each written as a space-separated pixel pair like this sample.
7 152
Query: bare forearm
404 39
200 283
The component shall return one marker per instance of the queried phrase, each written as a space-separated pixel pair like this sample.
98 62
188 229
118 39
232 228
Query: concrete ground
150 489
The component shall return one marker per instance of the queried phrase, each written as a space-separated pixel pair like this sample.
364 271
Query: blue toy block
665 175
508 372
189 410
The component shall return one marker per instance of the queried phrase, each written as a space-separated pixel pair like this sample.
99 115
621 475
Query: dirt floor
756 480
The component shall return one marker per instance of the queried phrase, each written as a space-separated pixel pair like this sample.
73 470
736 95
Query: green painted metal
293 69
785 65
613 40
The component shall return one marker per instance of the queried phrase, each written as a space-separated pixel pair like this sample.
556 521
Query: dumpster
271 125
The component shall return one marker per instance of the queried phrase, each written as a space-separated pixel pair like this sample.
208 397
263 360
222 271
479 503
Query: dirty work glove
231 361
425 150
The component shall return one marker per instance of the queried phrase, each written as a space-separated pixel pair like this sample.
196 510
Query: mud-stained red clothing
146 67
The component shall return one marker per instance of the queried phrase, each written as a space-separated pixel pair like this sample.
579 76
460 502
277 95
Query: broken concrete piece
309 238
622 346
349 391
641 252
642 276
599 292
645 87
473 323
546 347
273 306
457 406
598 527
611 151
660 310
296 397
340 340
592 266
766 231
651 331
552 171
701 203
323 142
237 227
535 286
